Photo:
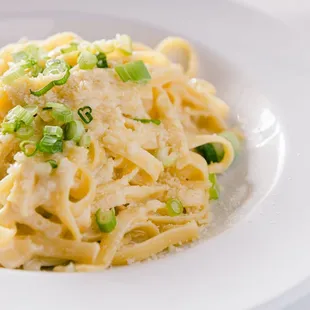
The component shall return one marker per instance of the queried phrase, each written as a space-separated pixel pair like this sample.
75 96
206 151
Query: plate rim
277 300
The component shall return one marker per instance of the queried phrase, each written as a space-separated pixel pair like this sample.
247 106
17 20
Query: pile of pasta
139 172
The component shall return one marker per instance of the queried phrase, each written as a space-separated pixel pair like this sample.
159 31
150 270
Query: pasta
108 149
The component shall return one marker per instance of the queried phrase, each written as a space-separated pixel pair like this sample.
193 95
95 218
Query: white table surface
296 13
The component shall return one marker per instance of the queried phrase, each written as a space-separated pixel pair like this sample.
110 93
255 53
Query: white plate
262 250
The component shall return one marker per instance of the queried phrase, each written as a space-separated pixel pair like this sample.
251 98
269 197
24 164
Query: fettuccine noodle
141 154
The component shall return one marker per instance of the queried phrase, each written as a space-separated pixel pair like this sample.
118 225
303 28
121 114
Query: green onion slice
25 132
33 51
32 66
53 163
29 148
213 193
138 71
54 131
19 56
33 109
55 105
9 127
55 66
36 70
85 141
50 85
73 47
233 139
135 71
219 150
74 131
174 207
87 60
102 60
51 145
25 61
147 121
63 116
214 152
18 113
13 74
208 152
104 46
106 220
124 43
16 117
122 73
29 64
60 112
85 114
214 189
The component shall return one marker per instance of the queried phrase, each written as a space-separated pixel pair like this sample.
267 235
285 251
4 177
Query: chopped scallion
214 189
49 144
174 207
106 220
33 109
50 85
85 141
233 139
74 131
54 131
104 46
122 73
19 56
29 148
8 127
60 112
73 47
219 150
55 105
124 43
214 152
87 60
85 114
208 152
53 163
25 132
135 71
64 116
18 124
33 51
147 121
55 66
29 64
13 74
102 60
25 61
213 193
35 70
18 113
